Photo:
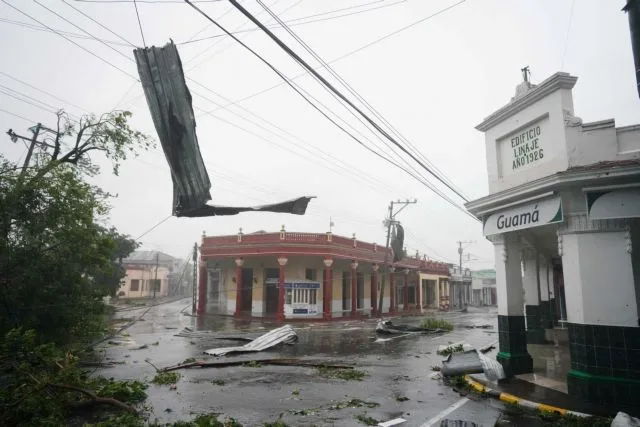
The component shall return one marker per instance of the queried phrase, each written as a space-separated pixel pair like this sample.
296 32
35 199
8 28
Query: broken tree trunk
281 362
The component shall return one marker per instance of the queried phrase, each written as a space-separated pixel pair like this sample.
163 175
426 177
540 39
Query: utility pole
155 280
385 266
460 251
193 279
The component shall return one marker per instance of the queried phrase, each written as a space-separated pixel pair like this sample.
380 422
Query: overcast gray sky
434 82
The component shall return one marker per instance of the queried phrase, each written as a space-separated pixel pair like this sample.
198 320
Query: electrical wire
81 29
326 83
352 52
153 228
144 43
43 91
349 88
357 95
28 102
45 29
426 183
295 22
99 23
69 40
17 115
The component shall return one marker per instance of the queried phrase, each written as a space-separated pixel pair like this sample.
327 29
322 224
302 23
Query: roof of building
148 257
609 164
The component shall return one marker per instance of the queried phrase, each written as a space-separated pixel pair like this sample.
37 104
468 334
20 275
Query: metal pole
385 269
32 145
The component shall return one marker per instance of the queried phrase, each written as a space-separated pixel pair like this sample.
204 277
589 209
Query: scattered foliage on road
164 378
354 403
343 374
430 323
451 349
278 423
367 420
402 398
188 360
218 382
253 364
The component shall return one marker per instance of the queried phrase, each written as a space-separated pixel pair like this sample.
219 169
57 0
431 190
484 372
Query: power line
42 91
81 29
356 94
145 1
304 64
350 53
71 41
17 115
45 29
139 23
99 23
294 22
153 228
27 102
282 76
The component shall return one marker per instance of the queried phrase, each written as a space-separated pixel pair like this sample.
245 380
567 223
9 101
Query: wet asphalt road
396 368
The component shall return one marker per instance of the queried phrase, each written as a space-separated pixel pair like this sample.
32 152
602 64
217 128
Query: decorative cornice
580 223
547 183
555 82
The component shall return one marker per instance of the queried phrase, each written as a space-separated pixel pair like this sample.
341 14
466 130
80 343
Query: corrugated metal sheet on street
471 362
170 104
282 335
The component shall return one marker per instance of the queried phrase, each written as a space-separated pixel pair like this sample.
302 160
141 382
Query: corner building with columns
562 213
289 275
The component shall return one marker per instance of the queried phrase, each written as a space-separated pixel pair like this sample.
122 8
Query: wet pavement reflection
398 370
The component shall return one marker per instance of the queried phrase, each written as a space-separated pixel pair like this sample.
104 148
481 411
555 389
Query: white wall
598 279
509 280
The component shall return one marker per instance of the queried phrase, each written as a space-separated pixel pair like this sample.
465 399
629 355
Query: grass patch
343 374
451 349
164 378
433 323
354 403
218 382
367 420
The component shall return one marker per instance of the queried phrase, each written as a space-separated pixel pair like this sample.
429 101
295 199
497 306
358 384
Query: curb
515 400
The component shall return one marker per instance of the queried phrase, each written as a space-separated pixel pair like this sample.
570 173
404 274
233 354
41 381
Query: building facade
562 213
290 275
483 286
146 271
460 287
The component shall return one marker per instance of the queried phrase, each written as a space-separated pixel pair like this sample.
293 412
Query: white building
483 286
460 284
562 213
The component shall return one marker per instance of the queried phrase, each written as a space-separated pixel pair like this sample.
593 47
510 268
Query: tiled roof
608 164
148 257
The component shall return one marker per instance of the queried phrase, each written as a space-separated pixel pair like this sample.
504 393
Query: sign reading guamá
526 147
516 220
527 215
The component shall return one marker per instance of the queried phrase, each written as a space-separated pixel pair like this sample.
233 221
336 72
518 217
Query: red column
202 289
374 289
354 288
328 288
406 291
392 292
239 263
280 315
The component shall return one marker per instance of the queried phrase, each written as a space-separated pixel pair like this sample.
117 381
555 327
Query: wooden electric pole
385 267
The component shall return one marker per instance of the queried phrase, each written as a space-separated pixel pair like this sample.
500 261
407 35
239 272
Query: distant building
460 286
483 286
141 275
310 275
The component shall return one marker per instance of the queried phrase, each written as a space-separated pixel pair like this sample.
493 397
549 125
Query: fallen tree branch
280 362
94 399
158 370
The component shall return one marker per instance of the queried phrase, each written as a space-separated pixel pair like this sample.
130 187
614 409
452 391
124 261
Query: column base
619 393
515 364
513 346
